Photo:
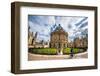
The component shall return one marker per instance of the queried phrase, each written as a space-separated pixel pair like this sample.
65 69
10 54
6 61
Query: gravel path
55 57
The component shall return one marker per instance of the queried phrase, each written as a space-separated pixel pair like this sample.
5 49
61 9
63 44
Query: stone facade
32 43
81 42
32 38
70 44
59 38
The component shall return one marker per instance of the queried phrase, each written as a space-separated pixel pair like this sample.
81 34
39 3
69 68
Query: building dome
59 30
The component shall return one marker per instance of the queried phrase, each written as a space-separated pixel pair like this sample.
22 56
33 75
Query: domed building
59 39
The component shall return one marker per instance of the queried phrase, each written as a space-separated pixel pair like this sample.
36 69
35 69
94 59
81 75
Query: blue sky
76 26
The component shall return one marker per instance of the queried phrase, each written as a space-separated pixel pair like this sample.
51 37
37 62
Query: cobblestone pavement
83 55
55 57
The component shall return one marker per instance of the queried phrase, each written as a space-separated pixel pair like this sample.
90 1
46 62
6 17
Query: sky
76 26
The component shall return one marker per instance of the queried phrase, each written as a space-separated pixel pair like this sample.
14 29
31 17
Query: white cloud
44 24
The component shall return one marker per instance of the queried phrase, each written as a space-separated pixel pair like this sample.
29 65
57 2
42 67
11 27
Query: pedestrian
71 53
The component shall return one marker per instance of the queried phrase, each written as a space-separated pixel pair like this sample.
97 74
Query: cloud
44 25
81 21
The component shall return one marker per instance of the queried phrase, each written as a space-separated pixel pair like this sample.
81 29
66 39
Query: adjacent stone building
70 44
33 43
31 38
80 42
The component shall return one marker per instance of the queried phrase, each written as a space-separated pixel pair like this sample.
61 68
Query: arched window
64 45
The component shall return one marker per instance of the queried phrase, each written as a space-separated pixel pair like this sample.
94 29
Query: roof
59 28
